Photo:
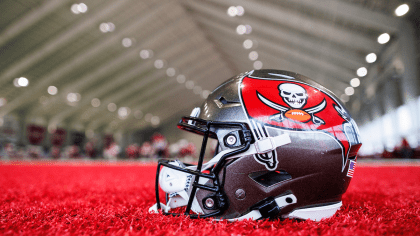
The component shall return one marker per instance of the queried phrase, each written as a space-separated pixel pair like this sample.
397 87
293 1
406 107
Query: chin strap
269 208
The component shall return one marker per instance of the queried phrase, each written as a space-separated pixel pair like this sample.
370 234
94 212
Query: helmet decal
290 104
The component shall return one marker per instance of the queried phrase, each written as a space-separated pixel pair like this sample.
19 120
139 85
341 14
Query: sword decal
280 116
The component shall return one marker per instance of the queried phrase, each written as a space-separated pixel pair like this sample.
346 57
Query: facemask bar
200 126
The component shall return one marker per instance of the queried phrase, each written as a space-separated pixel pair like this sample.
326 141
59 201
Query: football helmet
286 148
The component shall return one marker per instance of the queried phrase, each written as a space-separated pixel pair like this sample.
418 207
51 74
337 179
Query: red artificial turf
95 199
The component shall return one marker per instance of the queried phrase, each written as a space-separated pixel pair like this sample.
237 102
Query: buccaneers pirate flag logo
286 103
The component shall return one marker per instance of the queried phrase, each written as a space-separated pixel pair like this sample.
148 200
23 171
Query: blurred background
110 79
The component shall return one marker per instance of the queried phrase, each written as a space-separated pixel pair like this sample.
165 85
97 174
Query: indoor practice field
95 198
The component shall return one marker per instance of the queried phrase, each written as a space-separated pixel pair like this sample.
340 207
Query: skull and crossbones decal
296 97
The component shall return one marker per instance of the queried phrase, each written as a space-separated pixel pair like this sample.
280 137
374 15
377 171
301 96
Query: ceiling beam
284 52
30 19
354 14
81 58
292 39
109 68
61 40
151 96
297 21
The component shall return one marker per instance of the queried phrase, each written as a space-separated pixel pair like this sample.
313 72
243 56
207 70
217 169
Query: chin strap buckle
268 208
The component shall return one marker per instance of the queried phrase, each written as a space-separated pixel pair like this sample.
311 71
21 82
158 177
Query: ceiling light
104 27
82 8
52 90
144 54
258 65
355 82
2 102
383 38
15 82
402 10
71 97
155 120
127 42
181 79
248 29
205 94
148 117
95 102
123 112
170 72
248 44
112 107
138 114
189 84
344 98
197 90
75 8
241 29
371 58
159 64
253 55
232 11
78 97
362 71
22 82
111 27
349 91
240 11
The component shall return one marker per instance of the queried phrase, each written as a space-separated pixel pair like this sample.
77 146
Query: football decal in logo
291 104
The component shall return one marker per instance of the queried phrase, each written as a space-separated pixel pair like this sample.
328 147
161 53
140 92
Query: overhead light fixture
144 54
349 91
155 120
248 44
258 65
197 89
21 82
127 42
240 11
2 102
170 72
106 27
248 29
148 117
159 64
181 79
138 114
355 82
402 10
384 38
52 90
71 97
362 71
253 55
344 98
241 29
232 11
96 102
123 112
189 84
371 58
112 107
82 8
79 8
205 94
